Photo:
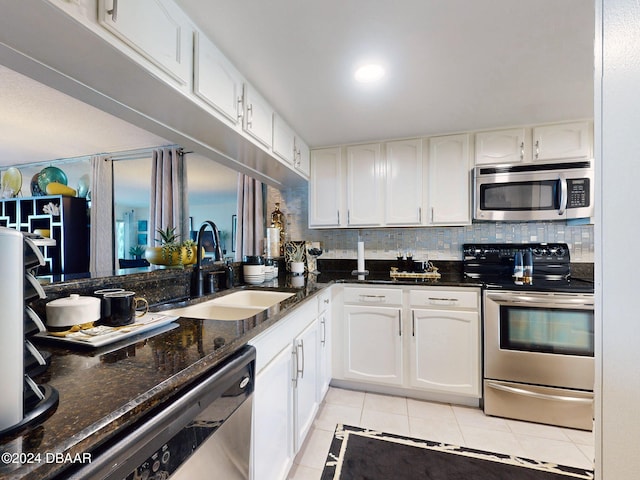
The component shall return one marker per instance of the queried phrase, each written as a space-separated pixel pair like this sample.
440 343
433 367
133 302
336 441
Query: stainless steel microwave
533 192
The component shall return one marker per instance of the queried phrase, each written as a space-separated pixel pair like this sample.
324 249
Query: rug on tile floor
358 453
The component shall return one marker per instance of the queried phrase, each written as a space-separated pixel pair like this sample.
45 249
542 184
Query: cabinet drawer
372 296
444 298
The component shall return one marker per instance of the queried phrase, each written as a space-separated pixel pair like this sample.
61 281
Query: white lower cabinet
273 421
305 380
445 351
373 344
286 398
420 339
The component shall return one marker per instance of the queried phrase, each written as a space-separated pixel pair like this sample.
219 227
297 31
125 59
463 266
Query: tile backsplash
434 243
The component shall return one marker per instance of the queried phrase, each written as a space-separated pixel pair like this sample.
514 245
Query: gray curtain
168 206
250 229
101 256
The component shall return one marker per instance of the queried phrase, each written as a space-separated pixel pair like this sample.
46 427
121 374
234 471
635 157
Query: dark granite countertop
103 391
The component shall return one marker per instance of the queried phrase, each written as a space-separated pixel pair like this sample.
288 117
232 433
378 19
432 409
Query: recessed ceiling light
369 73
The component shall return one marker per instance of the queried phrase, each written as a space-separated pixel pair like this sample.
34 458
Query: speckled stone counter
103 391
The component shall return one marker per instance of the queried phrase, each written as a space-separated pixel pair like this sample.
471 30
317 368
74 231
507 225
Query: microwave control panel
578 193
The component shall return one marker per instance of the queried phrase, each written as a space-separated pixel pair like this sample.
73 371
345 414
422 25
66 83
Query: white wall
617 135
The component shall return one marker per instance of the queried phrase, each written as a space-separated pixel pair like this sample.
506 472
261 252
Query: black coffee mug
123 308
104 304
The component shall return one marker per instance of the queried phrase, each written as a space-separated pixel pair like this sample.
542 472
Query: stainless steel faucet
197 284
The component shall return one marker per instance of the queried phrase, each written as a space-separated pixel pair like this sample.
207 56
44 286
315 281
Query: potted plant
189 250
137 252
295 256
169 252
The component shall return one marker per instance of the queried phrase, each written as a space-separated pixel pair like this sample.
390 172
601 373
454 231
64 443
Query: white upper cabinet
157 29
448 180
288 146
404 187
561 141
303 157
503 146
215 80
364 186
258 116
284 140
326 189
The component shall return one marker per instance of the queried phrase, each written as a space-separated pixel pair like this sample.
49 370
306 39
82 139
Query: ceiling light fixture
369 73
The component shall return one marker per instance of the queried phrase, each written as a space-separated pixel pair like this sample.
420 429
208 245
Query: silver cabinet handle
400 323
338 217
443 300
294 372
419 214
114 11
522 151
323 322
537 149
372 298
239 109
301 348
413 323
541 396
249 115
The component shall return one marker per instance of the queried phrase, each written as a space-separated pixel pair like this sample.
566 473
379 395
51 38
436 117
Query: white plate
109 335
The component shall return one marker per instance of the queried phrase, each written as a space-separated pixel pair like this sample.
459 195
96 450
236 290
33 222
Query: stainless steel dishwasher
204 433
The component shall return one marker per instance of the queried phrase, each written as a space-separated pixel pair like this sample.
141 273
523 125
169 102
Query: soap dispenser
518 268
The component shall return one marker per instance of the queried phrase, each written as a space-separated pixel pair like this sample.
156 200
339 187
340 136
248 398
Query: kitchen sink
252 298
232 307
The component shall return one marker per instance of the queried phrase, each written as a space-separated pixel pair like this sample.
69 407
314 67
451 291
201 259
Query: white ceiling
452 65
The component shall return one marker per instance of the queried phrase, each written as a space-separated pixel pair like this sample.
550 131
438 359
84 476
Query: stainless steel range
538 338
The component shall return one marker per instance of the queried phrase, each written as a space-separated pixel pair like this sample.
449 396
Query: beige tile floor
464 426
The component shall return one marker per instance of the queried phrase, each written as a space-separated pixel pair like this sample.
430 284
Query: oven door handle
547 300
542 396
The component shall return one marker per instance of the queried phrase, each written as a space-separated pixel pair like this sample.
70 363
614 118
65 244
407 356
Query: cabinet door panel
364 186
157 29
216 81
325 188
570 140
258 116
449 180
502 146
373 344
283 140
306 398
445 352
273 419
403 195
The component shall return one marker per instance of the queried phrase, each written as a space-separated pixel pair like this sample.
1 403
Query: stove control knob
539 251
560 252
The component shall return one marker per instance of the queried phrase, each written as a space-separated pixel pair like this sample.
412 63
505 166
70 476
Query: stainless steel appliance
538 339
531 191
204 433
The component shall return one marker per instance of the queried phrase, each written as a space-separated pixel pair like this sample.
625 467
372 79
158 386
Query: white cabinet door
305 374
258 116
568 140
373 344
303 157
445 351
284 140
364 186
273 419
156 29
449 180
325 189
403 194
324 349
216 80
502 146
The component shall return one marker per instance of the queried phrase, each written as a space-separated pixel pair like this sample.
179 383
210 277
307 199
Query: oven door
540 338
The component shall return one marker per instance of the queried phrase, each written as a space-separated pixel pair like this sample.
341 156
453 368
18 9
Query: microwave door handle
563 195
